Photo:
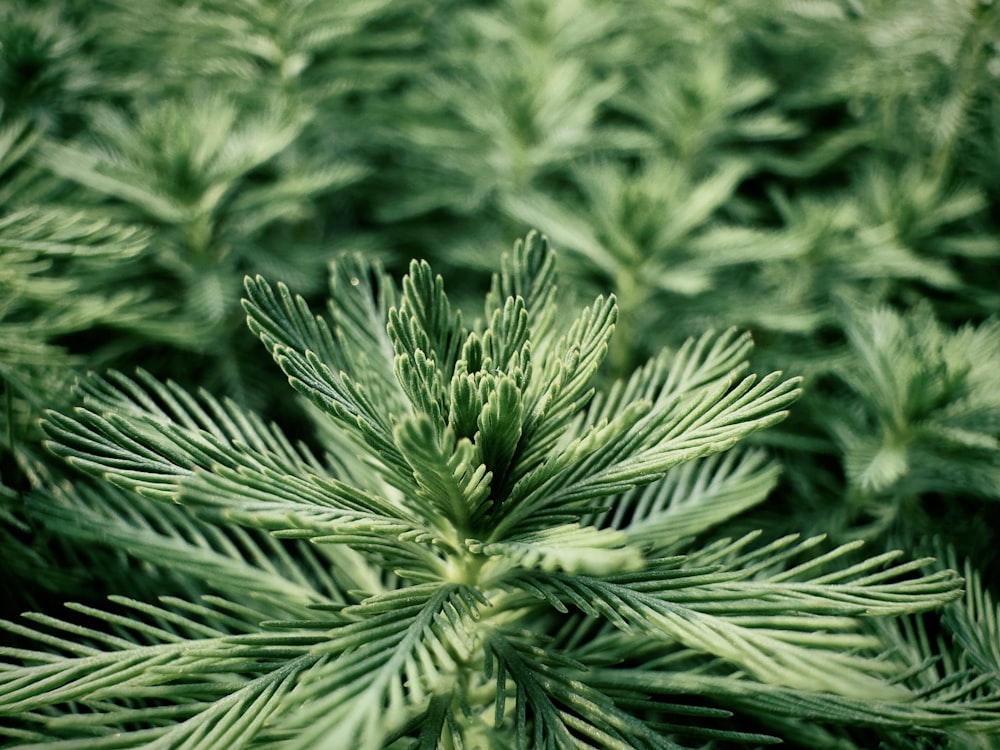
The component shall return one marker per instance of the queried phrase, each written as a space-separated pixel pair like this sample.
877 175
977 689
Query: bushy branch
469 586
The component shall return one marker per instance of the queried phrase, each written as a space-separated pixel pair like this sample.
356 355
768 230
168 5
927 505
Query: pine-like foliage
928 407
913 410
824 173
493 554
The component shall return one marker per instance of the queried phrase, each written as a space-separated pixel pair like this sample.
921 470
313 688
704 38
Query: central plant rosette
488 539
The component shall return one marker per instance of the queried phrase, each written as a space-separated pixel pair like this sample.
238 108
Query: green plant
753 163
920 414
492 554
45 72
52 286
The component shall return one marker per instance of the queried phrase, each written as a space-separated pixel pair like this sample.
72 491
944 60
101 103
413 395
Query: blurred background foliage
824 173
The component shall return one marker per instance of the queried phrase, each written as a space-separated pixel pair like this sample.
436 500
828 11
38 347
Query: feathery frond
504 502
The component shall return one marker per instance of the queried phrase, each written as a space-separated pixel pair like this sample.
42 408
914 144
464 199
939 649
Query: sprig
505 570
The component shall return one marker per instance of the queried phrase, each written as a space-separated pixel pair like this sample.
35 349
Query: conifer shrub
491 552
821 174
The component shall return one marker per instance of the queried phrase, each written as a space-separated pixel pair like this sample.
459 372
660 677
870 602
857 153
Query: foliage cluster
500 524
